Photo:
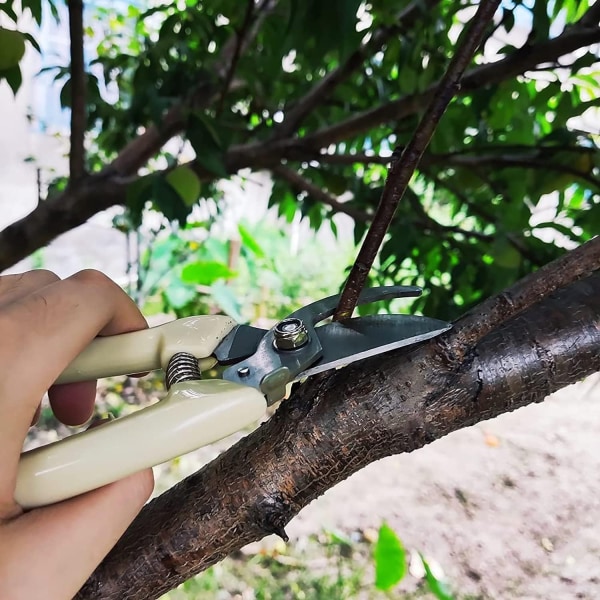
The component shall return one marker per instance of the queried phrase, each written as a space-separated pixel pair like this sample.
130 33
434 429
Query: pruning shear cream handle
193 414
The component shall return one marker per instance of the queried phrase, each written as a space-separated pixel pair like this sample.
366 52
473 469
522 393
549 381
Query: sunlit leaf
186 183
437 587
390 559
249 242
205 272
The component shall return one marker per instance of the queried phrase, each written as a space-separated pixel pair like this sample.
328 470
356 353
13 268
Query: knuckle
92 277
44 276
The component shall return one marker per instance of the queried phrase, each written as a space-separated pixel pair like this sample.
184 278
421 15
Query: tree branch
240 35
28 234
499 161
402 170
323 89
486 317
57 215
577 36
78 91
302 184
137 153
335 425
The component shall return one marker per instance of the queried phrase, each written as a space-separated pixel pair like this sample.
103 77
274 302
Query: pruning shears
259 366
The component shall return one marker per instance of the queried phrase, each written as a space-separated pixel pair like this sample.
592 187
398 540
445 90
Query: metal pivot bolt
182 367
290 334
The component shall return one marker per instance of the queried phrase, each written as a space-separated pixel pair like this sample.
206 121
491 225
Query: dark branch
78 92
402 170
499 161
335 425
137 153
240 35
301 184
57 215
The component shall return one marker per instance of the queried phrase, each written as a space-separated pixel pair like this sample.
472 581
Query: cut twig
78 91
402 170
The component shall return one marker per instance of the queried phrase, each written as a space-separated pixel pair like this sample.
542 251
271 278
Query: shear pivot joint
290 334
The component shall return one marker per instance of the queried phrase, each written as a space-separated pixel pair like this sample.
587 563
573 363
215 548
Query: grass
325 567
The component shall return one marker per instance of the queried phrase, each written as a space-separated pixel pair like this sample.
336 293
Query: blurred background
219 222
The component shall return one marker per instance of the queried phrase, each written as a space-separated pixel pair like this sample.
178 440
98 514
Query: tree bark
338 423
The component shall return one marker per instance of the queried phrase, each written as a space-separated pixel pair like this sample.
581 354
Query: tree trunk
339 422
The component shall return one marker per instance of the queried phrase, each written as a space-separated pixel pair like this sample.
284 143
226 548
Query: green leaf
179 295
505 254
65 94
390 559
437 587
227 301
35 6
168 201
186 183
249 242
208 145
8 10
138 193
12 48
13 78
205 272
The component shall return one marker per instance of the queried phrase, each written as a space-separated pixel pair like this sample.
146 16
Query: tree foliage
180 95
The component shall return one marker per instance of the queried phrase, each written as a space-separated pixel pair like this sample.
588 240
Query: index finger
42 334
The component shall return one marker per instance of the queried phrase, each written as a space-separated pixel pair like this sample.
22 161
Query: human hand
49 552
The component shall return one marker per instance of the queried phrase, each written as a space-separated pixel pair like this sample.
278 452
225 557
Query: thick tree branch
78 91
57 215
402 170
323 89
301 184
486 317
335 425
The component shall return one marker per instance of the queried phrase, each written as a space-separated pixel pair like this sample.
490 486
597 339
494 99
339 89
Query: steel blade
359 338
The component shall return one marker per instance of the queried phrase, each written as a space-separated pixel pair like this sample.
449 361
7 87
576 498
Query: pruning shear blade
359 338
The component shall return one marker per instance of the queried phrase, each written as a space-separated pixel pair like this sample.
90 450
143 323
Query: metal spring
182 367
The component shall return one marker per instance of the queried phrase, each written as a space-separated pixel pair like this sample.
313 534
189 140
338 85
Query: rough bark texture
336 424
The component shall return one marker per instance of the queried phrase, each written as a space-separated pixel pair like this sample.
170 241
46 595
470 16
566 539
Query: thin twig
240 34
402 169
78 91
302 184
405 21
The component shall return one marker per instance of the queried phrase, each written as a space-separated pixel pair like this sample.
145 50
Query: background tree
319 95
